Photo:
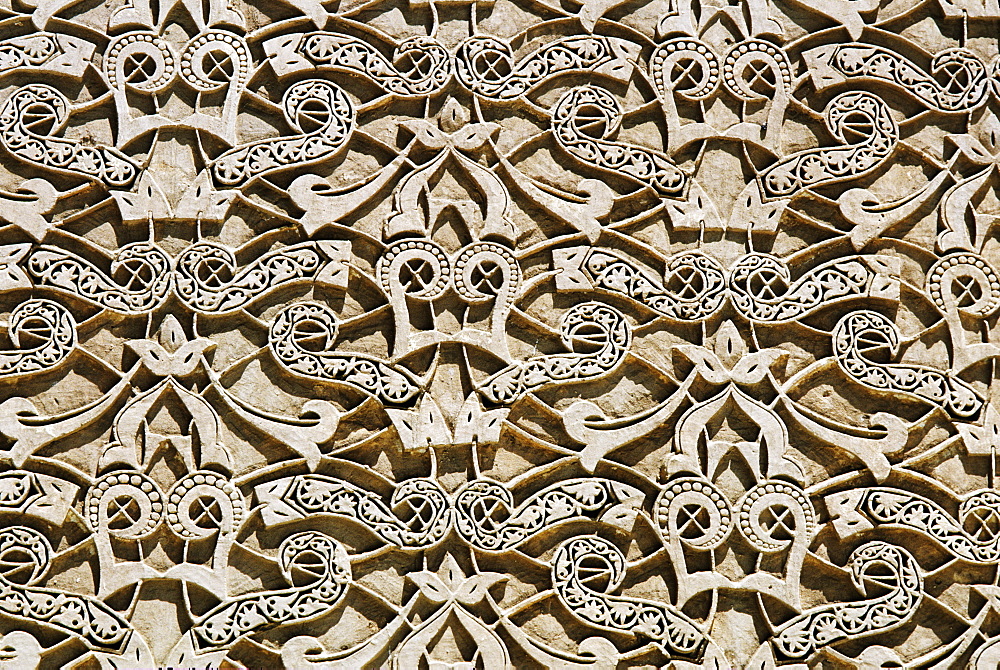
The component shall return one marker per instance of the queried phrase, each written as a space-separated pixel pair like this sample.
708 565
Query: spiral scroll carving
481 334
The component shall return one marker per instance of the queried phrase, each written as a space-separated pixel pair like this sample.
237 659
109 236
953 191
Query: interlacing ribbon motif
859 120
877 564
585 119
863 335
472 334
599 337
311 553
420 65
322 115
49 331
208 281
960 82
140 277
486 66
46 51
486 518
25 555
302 339
32 50
28 123
973 537
585 569
693 287
762 290
418 514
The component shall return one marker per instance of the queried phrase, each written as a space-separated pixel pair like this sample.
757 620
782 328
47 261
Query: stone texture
499 333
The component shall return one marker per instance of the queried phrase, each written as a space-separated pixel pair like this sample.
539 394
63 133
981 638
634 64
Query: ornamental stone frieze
480 334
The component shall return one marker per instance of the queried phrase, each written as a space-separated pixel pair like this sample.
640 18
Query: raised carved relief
490 334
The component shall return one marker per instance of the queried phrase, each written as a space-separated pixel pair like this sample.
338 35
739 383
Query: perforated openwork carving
428 334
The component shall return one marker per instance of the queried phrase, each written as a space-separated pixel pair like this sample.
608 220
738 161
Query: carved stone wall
580 334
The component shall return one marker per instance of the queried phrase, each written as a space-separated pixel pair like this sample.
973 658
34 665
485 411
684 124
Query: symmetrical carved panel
499 333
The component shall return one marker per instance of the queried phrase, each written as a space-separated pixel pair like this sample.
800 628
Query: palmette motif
472 335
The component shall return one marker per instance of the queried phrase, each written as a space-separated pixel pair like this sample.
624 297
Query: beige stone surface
427 334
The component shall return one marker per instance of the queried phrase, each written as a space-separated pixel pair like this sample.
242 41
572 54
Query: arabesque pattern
500 333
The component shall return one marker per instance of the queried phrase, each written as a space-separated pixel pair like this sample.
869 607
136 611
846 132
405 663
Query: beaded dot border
938 270
440 283
677 487
169 61
736 85
746 504
702 52
186 484
95 498
193 77
466 255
